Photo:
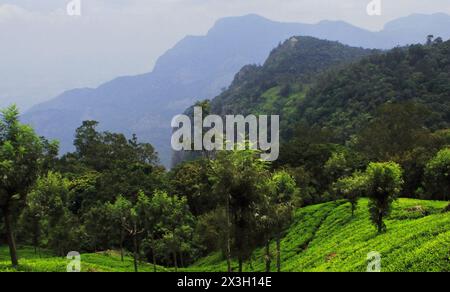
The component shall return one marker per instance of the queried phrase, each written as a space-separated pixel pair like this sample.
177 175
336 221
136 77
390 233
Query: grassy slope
326 238
323 238
46 262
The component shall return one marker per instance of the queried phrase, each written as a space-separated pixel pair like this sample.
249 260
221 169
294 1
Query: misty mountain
277 86
199 67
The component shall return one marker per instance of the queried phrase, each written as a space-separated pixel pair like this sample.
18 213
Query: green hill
332 86
322 238
326 238
293 63
282 82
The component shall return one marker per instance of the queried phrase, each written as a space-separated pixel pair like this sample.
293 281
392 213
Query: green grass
323 237
46 262
327 238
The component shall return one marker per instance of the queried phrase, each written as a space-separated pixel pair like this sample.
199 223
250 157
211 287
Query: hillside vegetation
329 85
355 124
197 67
279 85
46 261
295 62
326 237
322 237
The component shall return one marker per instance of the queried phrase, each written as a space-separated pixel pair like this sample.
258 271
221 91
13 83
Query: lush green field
46 262
326 238
323 238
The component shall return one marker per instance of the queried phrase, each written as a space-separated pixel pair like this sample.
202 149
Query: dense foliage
353 126
345 99
293 63
336 117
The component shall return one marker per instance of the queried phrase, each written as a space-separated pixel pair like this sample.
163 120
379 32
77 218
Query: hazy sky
43 51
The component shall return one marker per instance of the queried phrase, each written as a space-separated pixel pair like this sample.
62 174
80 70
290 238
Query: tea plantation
323 237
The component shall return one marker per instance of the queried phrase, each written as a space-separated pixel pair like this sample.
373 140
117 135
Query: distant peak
334 23
418 18
437 14
239 22
326 21
246 17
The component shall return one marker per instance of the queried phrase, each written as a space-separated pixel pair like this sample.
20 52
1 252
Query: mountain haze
199 67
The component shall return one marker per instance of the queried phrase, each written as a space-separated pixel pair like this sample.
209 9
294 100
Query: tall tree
279 208
120 214
124 166
134 218
174 222
131 223
437 175
384 183
190 179
351 188
99 230
238 177
45 205
21 153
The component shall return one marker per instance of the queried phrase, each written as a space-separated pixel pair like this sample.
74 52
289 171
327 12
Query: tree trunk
278 254
154 259
380 222
139 252
228 235
181 260
36 238
268 258
135 253
240 264
175 261
121 245
10 238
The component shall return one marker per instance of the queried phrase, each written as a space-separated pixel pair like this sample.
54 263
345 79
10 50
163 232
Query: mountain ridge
197 68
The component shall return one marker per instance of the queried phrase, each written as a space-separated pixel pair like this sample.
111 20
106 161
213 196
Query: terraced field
322 238
327 238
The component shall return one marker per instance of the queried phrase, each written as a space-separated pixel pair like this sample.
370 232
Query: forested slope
322 237
326 237
344 99
347 95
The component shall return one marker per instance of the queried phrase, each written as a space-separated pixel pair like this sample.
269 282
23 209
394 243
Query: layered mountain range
201 67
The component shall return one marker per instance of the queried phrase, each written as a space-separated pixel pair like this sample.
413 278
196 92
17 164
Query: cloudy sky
43 51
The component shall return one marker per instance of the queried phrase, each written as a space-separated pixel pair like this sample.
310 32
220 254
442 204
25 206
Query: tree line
111 192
